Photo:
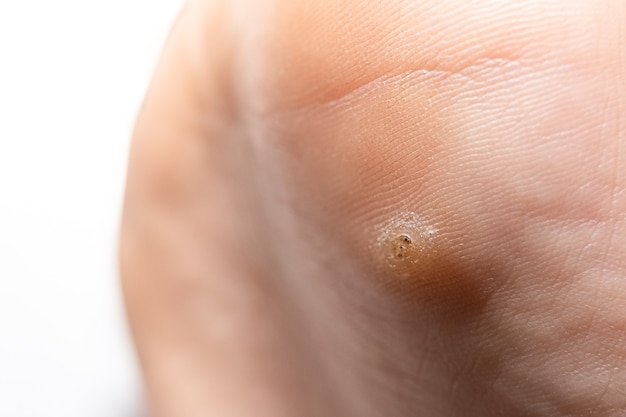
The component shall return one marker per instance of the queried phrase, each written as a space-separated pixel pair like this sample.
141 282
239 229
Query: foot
399 208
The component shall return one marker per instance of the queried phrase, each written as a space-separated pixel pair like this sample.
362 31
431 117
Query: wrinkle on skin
333 49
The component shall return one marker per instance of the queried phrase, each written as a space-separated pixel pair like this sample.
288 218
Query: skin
285 146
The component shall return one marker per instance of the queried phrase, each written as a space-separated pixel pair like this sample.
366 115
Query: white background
72 77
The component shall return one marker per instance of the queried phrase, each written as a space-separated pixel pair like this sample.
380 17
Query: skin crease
283 148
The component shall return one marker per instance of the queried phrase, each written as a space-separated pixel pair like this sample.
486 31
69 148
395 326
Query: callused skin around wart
382 209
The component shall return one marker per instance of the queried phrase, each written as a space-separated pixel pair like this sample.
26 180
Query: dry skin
416 264
406 242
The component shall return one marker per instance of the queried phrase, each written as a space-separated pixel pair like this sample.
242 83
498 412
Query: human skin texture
382 208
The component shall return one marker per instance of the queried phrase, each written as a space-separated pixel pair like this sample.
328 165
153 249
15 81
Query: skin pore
399 208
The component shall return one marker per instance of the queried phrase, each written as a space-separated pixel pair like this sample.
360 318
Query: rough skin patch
405 241
416 263
402 247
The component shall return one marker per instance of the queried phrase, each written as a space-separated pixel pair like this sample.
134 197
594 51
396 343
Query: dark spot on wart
402 246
